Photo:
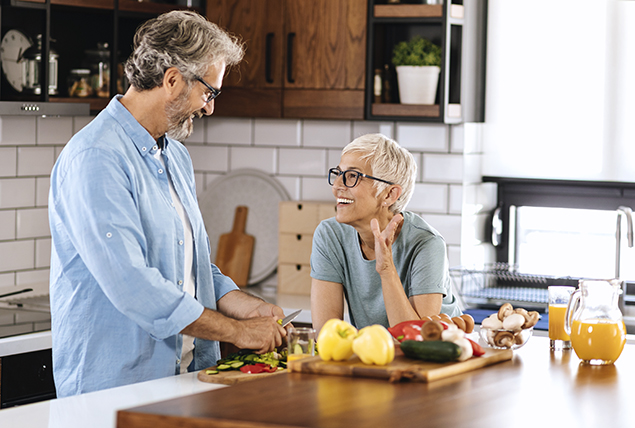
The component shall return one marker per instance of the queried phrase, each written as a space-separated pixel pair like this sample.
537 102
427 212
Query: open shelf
418 110
408 11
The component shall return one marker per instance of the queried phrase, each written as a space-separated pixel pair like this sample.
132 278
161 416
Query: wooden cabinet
304 58
73 27
450 25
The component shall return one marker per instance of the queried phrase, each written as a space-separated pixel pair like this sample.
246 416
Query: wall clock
14 44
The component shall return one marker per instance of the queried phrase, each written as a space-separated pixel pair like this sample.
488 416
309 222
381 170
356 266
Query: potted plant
418 64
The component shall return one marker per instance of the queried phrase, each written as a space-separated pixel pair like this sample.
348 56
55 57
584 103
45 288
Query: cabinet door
325 45
254 87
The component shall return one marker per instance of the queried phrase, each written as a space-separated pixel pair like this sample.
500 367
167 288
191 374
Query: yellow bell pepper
374 345
336 340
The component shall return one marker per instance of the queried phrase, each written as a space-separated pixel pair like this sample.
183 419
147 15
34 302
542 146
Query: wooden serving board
401 368
232 377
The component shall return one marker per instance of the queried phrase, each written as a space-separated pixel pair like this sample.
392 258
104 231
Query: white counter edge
25 343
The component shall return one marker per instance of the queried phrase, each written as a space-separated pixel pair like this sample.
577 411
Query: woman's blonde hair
388 161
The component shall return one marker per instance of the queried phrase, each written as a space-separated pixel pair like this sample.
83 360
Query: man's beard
178 113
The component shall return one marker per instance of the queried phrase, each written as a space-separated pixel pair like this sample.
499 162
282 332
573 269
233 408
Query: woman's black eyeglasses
350 177
214 92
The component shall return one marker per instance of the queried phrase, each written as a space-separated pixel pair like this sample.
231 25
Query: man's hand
262 334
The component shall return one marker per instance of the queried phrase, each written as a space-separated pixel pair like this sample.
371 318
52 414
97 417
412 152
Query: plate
261 194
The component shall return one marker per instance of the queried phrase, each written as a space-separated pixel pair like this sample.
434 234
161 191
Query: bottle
377 84
386 98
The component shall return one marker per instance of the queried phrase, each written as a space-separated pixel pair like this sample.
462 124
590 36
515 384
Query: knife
286 320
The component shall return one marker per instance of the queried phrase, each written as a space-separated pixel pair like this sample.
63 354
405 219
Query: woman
388 264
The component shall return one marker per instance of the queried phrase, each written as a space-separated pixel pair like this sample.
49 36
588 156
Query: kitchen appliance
31 60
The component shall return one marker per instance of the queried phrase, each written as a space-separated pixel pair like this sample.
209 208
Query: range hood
36 108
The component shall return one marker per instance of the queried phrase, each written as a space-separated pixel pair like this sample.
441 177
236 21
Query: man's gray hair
388 161
181 39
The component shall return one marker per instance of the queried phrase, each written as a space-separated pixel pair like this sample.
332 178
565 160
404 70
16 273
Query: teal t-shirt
419 253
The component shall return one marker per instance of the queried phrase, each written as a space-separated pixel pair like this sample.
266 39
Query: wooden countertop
536 388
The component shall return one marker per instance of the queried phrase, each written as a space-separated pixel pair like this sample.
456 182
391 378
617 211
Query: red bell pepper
398 332
477 350
258 368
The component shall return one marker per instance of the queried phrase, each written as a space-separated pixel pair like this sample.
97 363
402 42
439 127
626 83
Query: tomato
252 368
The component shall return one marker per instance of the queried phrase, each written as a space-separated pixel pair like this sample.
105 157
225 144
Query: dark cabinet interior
80 33
443 25
26 378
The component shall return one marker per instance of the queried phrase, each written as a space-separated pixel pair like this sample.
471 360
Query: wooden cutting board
235 249
401 368
232 377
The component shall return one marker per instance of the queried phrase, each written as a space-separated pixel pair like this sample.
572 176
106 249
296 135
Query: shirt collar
140 137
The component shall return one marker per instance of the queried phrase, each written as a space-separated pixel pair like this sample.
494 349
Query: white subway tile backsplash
442 168
8 163
43 253
7 317
17 130
456 198
198 132
199 179
302 161
35 160
13 330
17 255
449 226
326 133
291 185
7 224
260 158
454 257
429 198
42 185
333 158
209 158
456 138
36 279
231 131
54 130
361 127
210 178
316 189
423 137
17 192
80 121
7 280
473 137
472 168
32 223
277 132
22 317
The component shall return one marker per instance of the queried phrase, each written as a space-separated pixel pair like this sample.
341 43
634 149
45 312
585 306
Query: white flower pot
417 84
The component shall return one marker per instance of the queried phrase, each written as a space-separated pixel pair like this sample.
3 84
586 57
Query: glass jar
98 61
79 83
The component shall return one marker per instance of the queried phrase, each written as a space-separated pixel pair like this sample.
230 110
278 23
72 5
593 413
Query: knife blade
286 320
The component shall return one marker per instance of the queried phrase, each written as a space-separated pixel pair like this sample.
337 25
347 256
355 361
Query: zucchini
236 364
223 367
438 351
211 372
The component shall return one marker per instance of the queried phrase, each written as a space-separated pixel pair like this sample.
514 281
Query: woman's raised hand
383 243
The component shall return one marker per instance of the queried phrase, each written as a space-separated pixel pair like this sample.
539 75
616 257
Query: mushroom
504 339
452 335
460 323
533 319
514 322
431 330
519 339
505 310
466 349
469 322
492 322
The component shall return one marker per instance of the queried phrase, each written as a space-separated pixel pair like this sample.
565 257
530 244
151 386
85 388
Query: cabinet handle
268 44
290 38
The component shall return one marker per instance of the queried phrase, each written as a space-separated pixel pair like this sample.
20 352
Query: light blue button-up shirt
117 258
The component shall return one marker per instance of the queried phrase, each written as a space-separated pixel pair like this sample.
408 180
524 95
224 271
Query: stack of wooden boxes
297 222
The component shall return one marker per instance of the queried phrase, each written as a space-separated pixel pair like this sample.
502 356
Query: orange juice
556 322
594 339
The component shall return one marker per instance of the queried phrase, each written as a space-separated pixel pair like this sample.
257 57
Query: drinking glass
558 300
300 343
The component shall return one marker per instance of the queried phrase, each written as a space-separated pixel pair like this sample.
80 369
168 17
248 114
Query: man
131 280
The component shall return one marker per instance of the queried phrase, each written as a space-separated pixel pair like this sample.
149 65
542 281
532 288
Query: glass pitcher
594 322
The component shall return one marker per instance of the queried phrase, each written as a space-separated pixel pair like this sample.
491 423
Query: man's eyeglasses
213 91
350 177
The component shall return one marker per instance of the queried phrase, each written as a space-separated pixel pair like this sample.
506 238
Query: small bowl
495 338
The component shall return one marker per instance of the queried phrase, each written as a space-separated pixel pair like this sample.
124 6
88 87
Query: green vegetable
438 351
223 367
417 51
211 372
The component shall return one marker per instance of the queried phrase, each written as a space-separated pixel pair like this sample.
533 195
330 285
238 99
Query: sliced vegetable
397 330
211 372
252 368
412 332
374 345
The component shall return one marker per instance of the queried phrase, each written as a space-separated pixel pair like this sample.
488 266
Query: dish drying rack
497 283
